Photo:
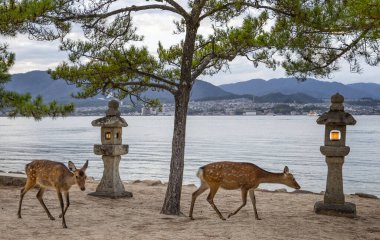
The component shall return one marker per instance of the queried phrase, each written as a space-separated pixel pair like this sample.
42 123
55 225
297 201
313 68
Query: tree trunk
173 193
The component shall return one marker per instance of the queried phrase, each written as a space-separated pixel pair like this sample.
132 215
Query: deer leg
253 199
39 197
195 194
62 208
67 203
244 199
210 199
29 184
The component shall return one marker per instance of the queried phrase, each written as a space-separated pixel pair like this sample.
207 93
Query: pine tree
25 17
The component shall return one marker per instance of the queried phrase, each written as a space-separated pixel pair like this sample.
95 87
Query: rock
136 181
262 190
152 182
303 191
16 172
366 195
282 190
191 185
90 179
9 179
1 171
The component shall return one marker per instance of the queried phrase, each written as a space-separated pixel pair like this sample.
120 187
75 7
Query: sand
284 216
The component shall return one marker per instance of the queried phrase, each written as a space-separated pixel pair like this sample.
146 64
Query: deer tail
200 173
27 168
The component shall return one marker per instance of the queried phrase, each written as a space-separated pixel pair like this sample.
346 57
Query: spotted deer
50 174
235 175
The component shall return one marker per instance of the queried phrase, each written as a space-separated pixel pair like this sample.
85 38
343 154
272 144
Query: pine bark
172 200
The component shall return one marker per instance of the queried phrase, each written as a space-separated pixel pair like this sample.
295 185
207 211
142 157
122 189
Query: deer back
49 174
230 175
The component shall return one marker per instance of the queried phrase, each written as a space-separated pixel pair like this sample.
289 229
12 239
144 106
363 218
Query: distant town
283 96
241 106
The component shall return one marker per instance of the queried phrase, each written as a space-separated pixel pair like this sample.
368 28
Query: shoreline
19 178
284 216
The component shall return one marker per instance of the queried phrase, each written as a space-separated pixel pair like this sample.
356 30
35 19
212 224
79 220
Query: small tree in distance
304 37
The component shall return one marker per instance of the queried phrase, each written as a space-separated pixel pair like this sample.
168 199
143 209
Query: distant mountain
275 90
311 87
372 88
282 98
40 83
201 91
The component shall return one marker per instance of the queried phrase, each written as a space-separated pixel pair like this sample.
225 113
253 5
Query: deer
235 175
51 174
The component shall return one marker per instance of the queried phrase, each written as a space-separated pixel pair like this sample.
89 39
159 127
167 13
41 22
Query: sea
271 142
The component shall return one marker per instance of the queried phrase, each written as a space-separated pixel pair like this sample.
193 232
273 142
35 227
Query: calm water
268 141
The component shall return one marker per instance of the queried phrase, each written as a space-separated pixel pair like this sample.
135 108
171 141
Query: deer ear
85 166
286 170
72 166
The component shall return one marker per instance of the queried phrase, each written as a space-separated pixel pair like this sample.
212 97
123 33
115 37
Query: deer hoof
60 215
52 218
64 226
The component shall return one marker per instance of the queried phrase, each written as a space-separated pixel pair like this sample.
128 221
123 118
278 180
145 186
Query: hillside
311 87
282 98
201 91
281 90
40 83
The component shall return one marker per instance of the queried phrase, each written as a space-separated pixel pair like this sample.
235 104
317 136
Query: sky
156 26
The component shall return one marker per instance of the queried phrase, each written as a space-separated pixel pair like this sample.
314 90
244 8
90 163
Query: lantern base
115 195
340 210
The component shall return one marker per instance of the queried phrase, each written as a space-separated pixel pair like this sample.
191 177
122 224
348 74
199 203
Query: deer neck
269 177
69 180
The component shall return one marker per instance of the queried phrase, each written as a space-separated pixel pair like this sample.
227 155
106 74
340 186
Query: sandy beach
284 216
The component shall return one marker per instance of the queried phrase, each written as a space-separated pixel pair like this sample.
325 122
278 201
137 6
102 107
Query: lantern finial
337 102
113 108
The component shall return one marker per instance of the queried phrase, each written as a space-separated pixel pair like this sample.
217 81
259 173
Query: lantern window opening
335 135
117 135
108 136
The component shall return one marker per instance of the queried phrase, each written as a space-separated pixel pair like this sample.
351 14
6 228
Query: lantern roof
336 115
337 118
109 121
112 118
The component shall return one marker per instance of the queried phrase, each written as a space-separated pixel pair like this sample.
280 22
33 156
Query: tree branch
349 47
133 8
153 76
246 4
178 7
145 84
201 67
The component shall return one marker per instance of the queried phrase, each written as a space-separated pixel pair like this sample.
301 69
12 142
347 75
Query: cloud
157 25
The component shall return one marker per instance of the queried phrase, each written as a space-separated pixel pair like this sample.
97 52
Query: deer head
289 180
79 174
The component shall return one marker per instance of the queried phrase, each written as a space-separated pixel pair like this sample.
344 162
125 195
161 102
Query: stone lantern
335 150
111 150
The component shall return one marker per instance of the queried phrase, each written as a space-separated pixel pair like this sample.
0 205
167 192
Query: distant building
250 113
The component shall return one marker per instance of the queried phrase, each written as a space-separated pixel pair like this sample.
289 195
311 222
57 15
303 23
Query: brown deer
50 174
235 175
